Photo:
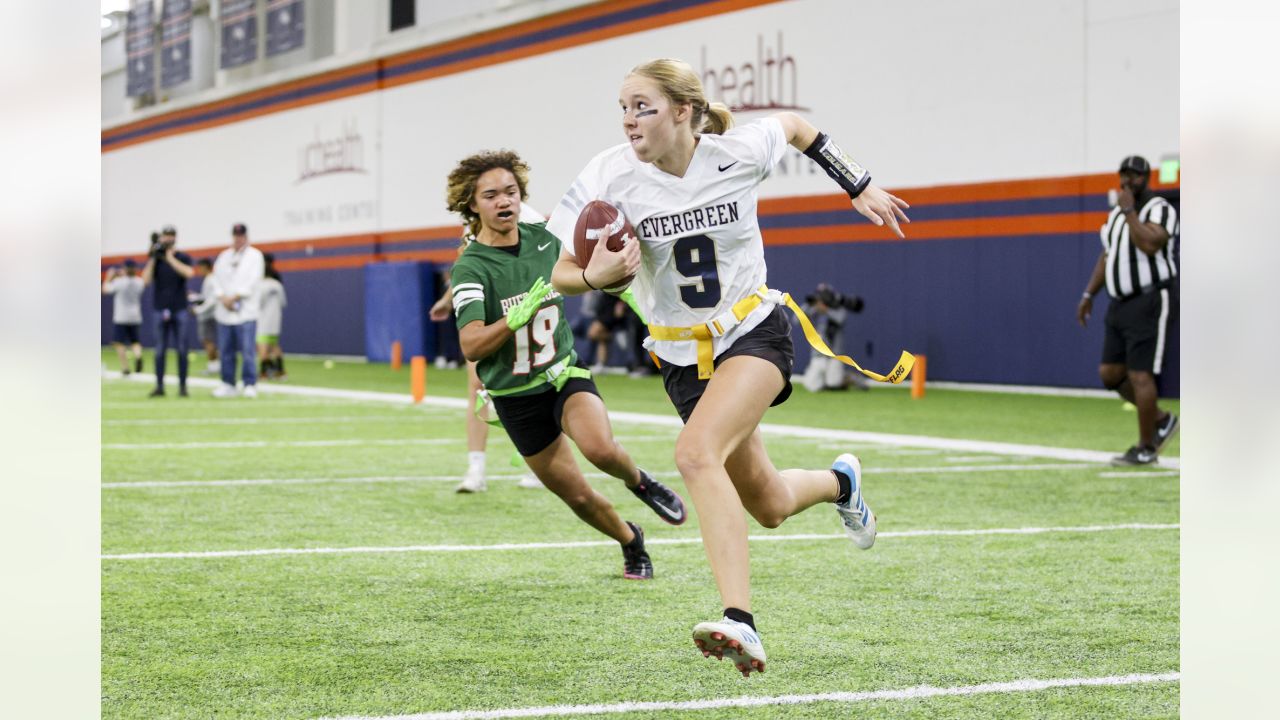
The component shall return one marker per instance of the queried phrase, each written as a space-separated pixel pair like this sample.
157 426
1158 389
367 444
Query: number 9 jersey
699 237
488 281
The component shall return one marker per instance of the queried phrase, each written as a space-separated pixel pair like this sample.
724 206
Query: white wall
940 92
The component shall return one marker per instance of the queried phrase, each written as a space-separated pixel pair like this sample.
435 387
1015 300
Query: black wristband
588 282
848 174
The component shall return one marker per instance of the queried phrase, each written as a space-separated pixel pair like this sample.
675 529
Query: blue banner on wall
239 32
175 42
285 26
140 47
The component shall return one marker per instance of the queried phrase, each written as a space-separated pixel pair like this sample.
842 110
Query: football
599 220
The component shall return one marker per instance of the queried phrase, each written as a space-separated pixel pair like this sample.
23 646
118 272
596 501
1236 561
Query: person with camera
126 314
238 272
167 270
829 309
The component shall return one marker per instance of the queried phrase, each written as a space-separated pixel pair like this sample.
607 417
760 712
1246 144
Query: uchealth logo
767 81
342 152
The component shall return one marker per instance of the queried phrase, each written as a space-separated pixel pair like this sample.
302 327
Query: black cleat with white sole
661 499
636 564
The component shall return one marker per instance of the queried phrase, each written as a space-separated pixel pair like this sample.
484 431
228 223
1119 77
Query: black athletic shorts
770 340
125 333
1137 329
533 421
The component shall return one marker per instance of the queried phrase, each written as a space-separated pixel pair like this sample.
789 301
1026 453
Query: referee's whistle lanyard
725 322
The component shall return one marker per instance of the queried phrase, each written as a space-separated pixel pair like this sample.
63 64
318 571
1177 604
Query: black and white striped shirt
1129 270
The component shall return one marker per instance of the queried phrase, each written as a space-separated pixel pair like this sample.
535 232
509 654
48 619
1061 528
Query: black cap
1136 163
130 263
239 229
168 230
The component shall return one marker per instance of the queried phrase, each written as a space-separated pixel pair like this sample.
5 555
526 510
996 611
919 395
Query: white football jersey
699 237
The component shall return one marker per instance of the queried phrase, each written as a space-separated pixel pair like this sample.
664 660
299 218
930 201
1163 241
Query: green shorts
268 339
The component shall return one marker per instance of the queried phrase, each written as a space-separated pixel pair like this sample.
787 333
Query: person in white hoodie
238 272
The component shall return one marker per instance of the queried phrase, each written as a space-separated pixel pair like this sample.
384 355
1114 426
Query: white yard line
240 482
913 693
608 543
334 419
669 473
277 444
672 421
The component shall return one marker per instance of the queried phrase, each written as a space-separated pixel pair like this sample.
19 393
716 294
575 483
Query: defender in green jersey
512 324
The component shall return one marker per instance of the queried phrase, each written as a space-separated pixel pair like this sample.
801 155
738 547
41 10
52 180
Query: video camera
156 251
828 296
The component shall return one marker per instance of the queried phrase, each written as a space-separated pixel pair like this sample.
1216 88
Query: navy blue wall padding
325 314
986 310
398 297
989 310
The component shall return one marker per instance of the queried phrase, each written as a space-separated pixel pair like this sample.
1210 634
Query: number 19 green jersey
488 281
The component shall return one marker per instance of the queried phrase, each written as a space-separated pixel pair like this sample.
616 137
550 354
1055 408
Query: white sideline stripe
913 693
607 543
669 473
263 421
274 444
672 421
296 481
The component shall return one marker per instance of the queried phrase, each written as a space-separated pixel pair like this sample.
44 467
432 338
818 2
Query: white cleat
250 391
224 391
472 482
529 482
733 640
859 522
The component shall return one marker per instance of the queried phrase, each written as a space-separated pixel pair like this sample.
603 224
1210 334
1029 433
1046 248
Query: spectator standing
167 270
238 272
202 306
271 303
126 287
1137 265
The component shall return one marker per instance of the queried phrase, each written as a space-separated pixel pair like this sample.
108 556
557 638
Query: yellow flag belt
704 333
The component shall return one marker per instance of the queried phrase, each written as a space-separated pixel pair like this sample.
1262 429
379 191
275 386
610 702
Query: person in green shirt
513 325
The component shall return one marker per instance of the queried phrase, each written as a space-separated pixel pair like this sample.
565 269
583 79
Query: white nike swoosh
543 246
669 512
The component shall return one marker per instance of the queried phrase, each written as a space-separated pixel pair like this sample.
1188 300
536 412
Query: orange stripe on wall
584 38
1044 224
1029 225
368 66
498 34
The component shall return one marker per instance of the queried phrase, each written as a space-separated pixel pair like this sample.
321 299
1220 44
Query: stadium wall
1000 121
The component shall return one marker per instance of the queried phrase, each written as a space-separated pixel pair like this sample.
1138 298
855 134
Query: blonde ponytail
719 119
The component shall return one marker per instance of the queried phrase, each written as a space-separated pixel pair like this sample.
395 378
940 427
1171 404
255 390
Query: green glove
629 298
521 313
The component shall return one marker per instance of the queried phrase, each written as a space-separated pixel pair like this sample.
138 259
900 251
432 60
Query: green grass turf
304 636
1099 424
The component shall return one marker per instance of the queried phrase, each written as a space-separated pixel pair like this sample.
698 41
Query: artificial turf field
412 610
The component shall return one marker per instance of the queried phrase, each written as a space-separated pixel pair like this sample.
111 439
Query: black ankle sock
741 616
637 541
846 486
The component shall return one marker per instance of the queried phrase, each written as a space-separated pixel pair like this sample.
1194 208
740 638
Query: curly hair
461 188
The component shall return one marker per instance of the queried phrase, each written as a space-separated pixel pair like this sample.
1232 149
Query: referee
1138 267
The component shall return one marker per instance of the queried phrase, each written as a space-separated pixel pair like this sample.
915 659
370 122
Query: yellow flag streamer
741 309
